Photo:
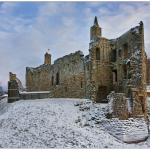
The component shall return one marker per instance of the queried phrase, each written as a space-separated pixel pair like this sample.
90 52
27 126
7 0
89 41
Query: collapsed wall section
130 69
130 63
68 76
38 79
65 78
100 69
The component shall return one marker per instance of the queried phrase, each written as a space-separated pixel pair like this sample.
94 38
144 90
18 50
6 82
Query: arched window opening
57 79
97 54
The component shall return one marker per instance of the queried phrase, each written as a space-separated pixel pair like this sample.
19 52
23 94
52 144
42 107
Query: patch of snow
148 89
123 130
3 105
110 98
129 105
58 123
24 92
148 104
135 30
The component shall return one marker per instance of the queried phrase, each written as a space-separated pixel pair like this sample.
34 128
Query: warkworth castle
114 69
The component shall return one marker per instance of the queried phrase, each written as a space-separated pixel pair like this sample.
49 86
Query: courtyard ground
64 123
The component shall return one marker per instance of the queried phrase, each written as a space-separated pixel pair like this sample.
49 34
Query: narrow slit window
52 80
97 54
57 79
81 84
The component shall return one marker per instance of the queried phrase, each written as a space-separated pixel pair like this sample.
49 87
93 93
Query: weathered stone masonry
65 78
117 65
148 71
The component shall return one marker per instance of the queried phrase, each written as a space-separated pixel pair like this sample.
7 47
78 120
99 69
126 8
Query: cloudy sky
28 29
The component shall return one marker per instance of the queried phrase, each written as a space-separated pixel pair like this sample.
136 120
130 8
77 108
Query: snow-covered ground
59 123
148 104
129 131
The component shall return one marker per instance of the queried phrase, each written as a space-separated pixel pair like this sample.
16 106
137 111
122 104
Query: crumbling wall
38 79
148 71
112 65
130 66
13 88
87 67
65 78
121 107
130 63
117 105
100 68
71 76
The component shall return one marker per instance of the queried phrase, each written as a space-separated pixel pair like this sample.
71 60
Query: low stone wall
120 106
117 105
34 95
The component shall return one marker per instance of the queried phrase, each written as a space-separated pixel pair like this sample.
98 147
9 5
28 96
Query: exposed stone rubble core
117 65
148 71
122 107
133 130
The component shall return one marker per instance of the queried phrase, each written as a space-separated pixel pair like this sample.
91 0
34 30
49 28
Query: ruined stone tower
13 88
47 58
95 31
100 71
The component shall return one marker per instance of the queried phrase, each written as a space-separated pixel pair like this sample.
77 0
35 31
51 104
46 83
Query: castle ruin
117 65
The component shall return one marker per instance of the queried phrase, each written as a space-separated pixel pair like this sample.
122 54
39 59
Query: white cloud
62 27
7 7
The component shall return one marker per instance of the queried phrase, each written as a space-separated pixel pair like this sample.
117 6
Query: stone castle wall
65 78
130 59
130 66
148 71
71 76
38 79
112 65
100 70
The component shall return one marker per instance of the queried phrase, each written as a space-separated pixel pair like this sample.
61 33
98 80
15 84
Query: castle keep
117 65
